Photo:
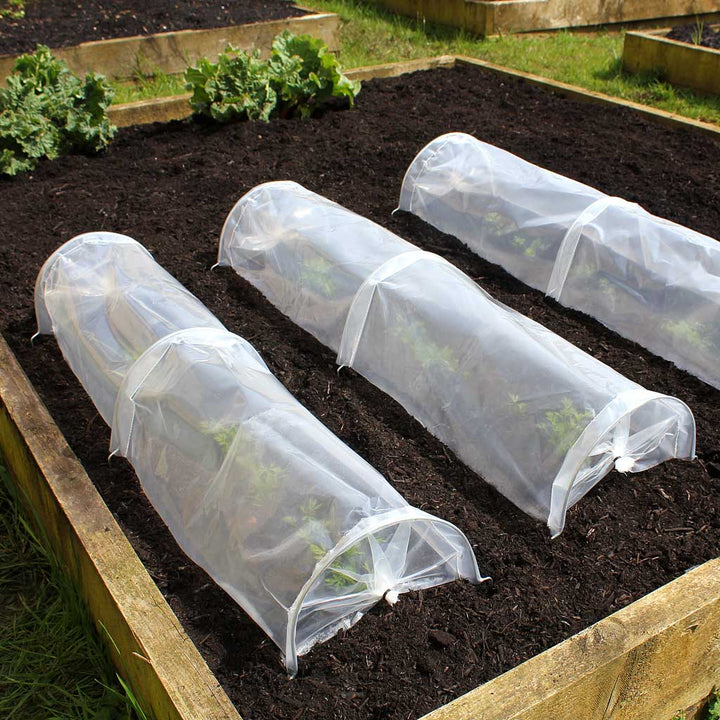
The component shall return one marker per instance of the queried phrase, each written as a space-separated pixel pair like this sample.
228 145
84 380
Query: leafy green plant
429 354
688 333
305 75
300 77
236 87
563 427
47 111
317 273
262 478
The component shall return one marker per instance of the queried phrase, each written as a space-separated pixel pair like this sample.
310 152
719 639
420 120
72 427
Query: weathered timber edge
489 17
146 641
657 656
172 52
680 63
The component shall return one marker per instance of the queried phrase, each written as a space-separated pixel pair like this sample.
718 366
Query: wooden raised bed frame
172 52
681 63
489 17
652 658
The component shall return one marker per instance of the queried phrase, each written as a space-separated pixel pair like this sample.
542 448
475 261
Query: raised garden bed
171 187
119 39
489 17
679 62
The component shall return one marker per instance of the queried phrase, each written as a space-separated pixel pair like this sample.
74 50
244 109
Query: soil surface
707 36
170 187
59 23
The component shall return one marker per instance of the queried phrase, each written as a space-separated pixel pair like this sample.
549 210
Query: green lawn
591 60
52 664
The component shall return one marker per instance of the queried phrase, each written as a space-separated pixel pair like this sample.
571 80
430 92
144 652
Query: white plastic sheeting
106 300
650 280
541 420
296 527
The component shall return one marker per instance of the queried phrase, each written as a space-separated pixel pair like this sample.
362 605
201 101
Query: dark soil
709 37
171 187
59 23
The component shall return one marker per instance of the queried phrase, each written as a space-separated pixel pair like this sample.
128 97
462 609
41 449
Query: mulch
61 23
171 186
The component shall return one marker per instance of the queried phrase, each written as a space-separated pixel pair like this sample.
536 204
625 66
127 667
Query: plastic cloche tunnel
537 417
295 526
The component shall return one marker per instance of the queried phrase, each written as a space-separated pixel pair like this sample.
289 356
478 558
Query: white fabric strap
360 306
568 246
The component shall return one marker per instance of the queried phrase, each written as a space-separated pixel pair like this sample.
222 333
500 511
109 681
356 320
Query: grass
371 35
146 87
52 664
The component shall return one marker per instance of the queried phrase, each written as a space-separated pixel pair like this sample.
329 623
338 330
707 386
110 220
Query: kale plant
47 111
299 78
236 87
305 75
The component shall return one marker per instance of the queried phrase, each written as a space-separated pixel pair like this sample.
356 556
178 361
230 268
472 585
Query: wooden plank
144 112
470 15
172 52
681 63
371 72
177 107
649 660
576 93
522 15
149 647
488 17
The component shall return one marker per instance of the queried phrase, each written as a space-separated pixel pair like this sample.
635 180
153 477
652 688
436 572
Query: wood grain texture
489 17
647 661
692 66
172 52
146 641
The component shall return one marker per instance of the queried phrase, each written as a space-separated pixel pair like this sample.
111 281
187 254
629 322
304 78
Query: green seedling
317 274
428 354
564 426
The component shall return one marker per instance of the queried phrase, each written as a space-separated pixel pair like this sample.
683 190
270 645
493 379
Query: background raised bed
680 63
171 187
164 43
488 17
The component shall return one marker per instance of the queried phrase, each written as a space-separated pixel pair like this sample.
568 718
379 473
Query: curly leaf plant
47 111
300 77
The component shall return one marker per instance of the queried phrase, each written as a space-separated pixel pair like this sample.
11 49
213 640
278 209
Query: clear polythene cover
106 300
540 419
650 280
295 526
